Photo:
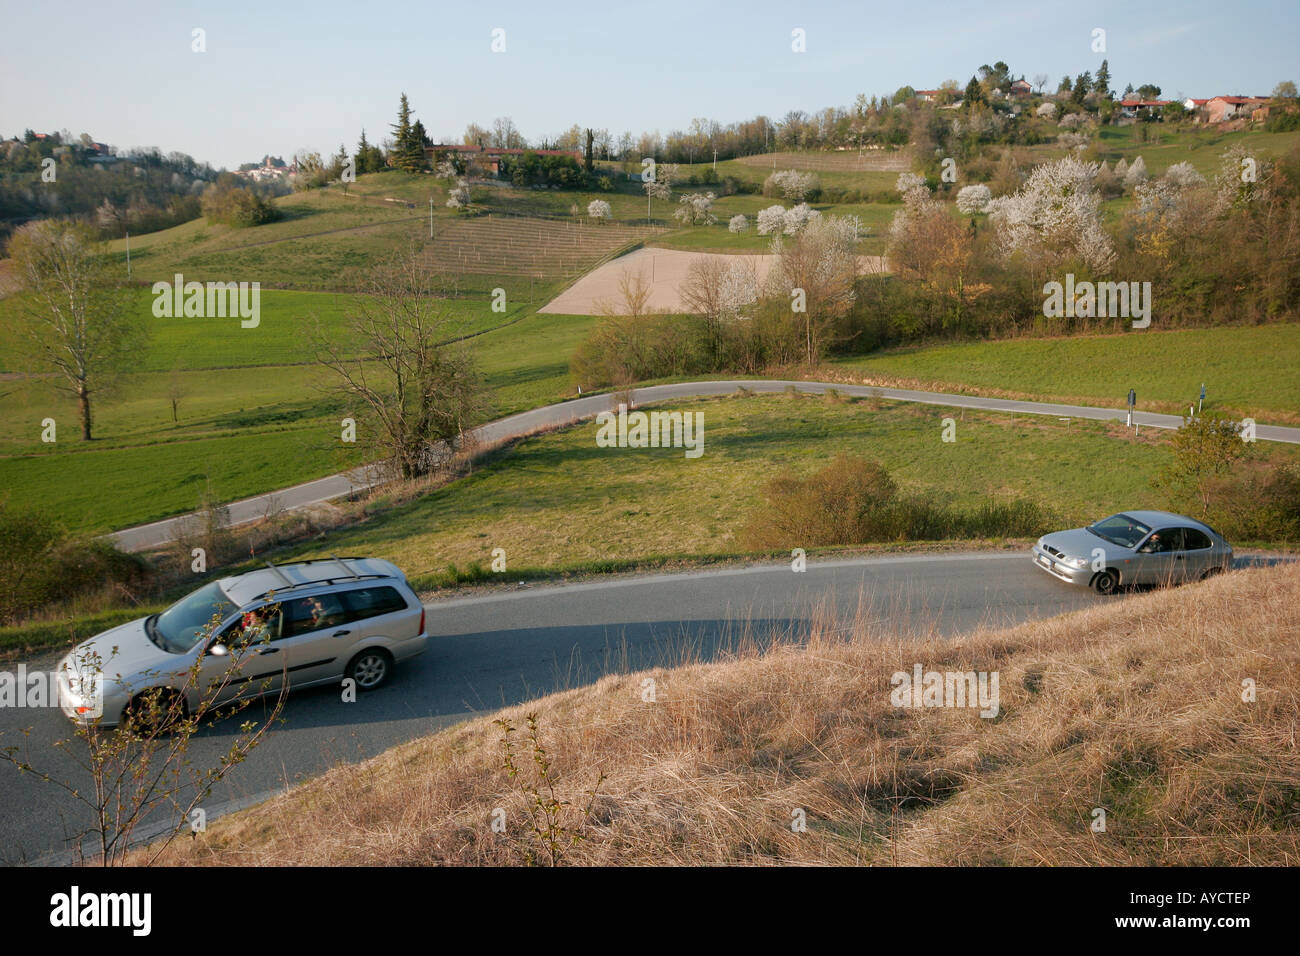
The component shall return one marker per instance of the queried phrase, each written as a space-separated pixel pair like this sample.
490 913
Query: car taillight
421 620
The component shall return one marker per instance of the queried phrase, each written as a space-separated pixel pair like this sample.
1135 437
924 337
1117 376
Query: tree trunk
83 401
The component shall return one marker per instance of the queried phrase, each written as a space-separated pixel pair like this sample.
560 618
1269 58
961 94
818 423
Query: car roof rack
289 585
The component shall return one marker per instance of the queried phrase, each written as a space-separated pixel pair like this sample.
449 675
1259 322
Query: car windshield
1120 529
181 625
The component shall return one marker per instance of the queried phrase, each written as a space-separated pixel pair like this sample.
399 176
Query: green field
558 501
1246 371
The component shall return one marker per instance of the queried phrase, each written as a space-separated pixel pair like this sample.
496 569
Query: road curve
158 533
503 648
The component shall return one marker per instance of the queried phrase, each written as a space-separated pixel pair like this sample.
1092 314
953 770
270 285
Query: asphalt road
507 647
310 493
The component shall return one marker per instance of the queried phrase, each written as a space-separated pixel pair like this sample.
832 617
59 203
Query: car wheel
1210 572
1107 582
146 716
369 668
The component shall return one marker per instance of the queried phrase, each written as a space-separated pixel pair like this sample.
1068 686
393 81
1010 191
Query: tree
738 223
695 209
589 160
420 395
1102 83
1148 91
1040 81
770 220
408 142
599 210
974 94
1204 449
1054 217
77 328
1135 174
1284 91
177 389
819 265
973 199
143 769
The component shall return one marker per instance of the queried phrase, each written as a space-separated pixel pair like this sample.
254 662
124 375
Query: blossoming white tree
1047 109
598 209
821 263
974 199
738 223
909 181
695 209
1137 172
458 198
771 219
791 184
1055 215
798 217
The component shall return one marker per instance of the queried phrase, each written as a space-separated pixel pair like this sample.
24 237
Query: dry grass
1135 707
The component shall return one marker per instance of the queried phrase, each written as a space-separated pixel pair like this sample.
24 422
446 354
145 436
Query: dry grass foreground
1135 707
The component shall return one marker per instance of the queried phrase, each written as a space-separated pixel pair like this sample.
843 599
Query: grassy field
1131 706
1247 371
558 501
250 421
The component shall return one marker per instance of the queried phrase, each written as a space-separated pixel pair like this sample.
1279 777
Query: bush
237 206
41 566
855 501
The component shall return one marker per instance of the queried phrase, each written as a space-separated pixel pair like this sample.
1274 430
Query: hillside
1134 708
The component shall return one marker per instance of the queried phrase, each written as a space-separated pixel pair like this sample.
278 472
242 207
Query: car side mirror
217 649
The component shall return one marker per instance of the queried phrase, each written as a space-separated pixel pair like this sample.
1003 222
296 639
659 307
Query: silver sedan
1134 547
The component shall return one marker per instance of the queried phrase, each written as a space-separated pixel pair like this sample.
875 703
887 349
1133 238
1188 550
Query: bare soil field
664 270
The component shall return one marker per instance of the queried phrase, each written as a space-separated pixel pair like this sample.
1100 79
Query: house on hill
1021 87
1220 109
1138 109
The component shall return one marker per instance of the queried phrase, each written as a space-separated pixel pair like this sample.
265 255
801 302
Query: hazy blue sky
281 75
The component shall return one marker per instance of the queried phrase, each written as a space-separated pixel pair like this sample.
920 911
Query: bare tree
420 390
76 326
816 272
177 389
143 769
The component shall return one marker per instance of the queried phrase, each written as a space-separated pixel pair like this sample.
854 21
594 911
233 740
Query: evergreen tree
1102 83
974 93
408 147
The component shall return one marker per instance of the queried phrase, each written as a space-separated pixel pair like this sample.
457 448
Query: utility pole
128 255
715 160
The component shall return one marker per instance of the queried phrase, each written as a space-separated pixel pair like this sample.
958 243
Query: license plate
1044 562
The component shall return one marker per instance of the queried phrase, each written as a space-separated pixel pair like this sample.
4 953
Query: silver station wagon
307 623
1134 547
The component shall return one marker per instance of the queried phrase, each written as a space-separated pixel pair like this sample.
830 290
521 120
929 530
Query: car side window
372 602
1164 541
251 627
314 613
1194 540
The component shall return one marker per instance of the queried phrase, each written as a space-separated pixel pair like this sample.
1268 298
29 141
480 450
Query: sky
283 75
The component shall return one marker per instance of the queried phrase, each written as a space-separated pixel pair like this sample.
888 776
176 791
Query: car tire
1211 572
139 724
370 668
1107 582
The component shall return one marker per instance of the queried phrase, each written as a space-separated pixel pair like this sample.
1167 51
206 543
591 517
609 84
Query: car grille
1053 551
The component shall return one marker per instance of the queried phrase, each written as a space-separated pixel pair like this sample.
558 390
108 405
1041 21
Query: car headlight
1079 562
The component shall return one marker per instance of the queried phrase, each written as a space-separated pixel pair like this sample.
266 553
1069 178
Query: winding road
159 533
506 647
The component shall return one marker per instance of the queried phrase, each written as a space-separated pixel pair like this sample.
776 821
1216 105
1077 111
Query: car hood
125 652
1079 543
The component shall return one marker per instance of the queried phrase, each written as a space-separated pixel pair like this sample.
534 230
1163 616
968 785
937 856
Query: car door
1197 553
1159 556
252 662
317 638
